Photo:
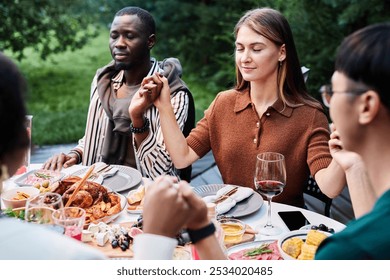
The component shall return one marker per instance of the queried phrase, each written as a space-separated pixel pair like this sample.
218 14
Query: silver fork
100 171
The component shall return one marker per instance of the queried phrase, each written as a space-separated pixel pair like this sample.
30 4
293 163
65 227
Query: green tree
319 26
48 26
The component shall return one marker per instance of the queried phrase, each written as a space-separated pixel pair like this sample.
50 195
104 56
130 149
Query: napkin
109 173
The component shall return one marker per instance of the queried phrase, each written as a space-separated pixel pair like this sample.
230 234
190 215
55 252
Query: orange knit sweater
232 129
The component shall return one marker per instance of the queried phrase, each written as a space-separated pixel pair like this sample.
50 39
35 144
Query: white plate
137 211
250 245
242 208
295 233
126 178
21 180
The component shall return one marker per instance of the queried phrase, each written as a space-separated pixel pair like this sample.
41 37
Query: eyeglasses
327 93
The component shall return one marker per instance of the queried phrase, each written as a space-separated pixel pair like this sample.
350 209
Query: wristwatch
199 234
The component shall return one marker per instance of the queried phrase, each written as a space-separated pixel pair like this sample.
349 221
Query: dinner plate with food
135 200
231 200
116 177
301 244
100 203
39 177
256 250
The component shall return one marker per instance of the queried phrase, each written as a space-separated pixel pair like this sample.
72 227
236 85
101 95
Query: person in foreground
20 240
163 221
123 125
360 110
269 110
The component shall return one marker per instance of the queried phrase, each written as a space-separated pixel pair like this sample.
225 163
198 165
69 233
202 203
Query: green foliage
320 25
48 26
59 90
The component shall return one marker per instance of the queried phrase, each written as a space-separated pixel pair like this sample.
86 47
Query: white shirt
24 241
148 246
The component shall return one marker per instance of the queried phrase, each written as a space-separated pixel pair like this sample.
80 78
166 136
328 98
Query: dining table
254 219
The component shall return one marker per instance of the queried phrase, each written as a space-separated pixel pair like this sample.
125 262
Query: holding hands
144 98
168 207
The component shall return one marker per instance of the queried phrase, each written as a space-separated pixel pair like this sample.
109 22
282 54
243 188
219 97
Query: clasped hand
169 207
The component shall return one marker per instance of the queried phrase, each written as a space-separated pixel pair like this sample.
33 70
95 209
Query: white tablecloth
252 220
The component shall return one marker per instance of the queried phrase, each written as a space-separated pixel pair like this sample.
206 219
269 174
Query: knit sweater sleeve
199 138
318 154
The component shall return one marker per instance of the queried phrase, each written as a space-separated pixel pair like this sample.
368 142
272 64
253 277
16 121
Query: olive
314 227
126 244
323 227
123 247
114 243
331 230
46 184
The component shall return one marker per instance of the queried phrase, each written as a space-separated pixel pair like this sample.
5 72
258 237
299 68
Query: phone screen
293 219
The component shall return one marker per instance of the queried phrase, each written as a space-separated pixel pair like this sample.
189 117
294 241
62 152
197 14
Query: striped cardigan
152 156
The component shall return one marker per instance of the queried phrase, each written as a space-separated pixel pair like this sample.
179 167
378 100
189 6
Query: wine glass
39 208
270 179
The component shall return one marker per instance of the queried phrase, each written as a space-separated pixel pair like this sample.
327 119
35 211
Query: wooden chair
313 190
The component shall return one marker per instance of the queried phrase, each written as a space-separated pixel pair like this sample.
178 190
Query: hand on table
56 162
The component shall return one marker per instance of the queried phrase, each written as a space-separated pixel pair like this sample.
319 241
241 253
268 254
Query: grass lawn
59 91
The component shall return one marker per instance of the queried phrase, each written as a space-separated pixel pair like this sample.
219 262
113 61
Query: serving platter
109 219
126 178
30 178
241 209
233 251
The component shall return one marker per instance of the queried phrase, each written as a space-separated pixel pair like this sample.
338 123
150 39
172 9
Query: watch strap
199 234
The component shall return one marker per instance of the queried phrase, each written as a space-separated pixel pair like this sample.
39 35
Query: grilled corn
307 252
315 237
293 246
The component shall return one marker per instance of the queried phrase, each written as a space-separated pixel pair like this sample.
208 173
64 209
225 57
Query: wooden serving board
114 252
246 238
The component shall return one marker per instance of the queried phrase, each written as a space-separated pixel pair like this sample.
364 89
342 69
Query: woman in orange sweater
269 110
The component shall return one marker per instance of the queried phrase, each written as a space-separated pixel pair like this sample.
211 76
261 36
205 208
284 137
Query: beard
123 65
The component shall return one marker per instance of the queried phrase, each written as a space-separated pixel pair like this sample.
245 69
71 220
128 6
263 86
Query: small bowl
233 229
10 202
302 234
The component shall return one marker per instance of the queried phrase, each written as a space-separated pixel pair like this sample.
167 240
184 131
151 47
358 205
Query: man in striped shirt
117 132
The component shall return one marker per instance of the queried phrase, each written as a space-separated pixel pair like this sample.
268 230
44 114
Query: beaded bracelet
138 130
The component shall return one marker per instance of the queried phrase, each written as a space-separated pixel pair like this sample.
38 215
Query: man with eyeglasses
359 102
327 93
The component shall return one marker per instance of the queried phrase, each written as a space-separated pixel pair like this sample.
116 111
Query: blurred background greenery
60 44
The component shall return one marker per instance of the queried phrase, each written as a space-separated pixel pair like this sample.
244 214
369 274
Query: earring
280 63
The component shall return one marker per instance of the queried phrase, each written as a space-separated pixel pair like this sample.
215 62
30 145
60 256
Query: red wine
269 187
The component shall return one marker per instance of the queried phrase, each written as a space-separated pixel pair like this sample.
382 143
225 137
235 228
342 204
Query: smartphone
293 219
